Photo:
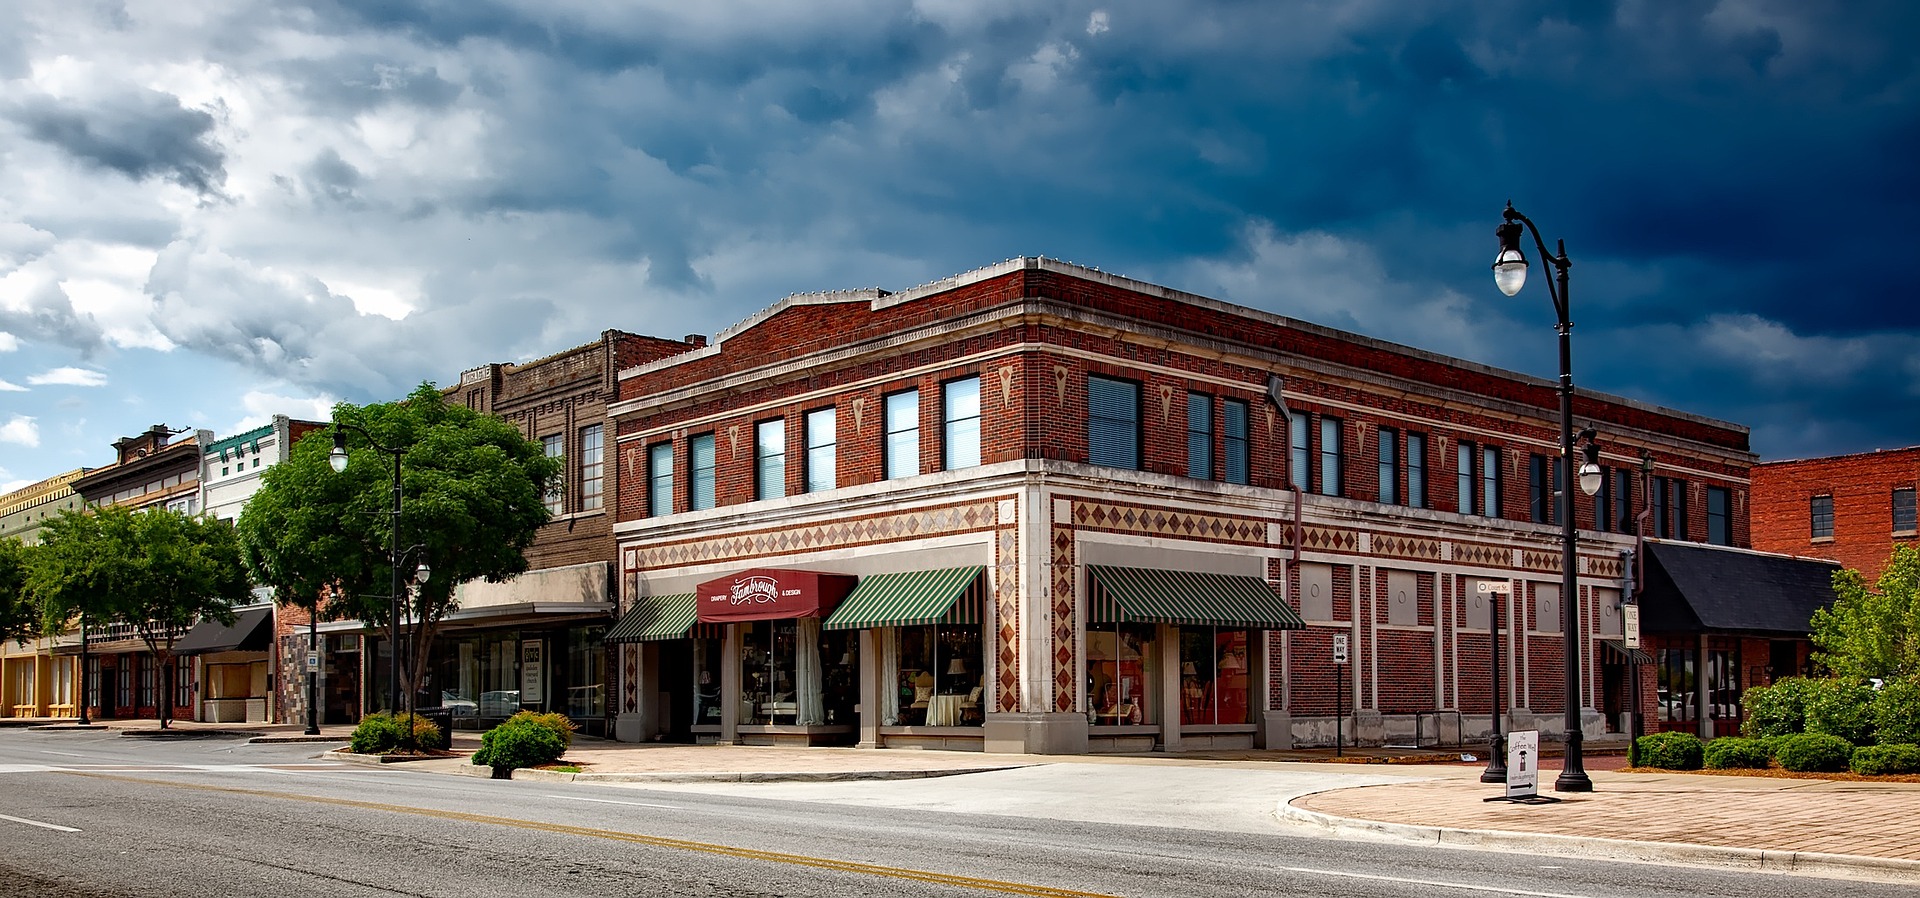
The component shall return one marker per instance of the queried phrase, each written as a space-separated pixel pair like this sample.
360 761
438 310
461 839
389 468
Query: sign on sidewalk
1523 764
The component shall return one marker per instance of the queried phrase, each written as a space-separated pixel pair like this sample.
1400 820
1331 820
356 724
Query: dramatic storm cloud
214 207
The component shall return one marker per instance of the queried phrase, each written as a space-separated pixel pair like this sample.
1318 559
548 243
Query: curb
188 734
372 760
276 740
68 728
774 777
1804 863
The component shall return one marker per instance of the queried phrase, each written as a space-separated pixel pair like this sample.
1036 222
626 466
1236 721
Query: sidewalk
1821 827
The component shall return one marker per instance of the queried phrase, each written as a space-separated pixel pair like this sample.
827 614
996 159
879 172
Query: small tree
18 618
472 487
1873 633
156 570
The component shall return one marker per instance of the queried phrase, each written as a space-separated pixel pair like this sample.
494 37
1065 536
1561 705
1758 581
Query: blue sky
216 211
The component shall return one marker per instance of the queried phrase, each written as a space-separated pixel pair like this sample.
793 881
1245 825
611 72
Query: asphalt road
99 815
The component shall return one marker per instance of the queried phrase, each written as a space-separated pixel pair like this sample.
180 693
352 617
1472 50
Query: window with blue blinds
1389 466
960 405
700 472
1299 459
902 449
1200 436
770 459
1113 423
660 480
1331 456
1463 456
1233 421
1490 481
1417 470
822 447
1718 531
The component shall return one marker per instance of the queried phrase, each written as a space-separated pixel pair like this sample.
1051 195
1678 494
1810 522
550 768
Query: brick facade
1862 488
1035 332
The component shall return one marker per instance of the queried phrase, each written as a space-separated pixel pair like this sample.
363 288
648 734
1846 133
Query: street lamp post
1509 274
338 460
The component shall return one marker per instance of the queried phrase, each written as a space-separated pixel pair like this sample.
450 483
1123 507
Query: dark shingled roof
1694 587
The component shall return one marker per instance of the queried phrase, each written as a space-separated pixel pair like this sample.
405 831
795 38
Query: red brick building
1037 507
1853 509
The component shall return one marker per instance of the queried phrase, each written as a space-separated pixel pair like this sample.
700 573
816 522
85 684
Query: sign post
1630 625
1495 591
1339 692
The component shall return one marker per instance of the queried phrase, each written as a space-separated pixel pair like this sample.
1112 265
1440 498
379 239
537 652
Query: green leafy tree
472 488
18 618
1873 632
158 571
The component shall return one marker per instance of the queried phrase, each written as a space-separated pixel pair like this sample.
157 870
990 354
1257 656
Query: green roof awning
655 617
948 596
1144 595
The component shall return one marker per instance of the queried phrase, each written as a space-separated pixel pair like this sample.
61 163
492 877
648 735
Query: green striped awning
948 596
1144 595
655 617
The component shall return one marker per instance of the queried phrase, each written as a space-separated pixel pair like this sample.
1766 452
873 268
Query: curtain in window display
812 706
890 675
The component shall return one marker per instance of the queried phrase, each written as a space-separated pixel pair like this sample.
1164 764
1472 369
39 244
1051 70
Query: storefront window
937 677
581 671
791 673
706 682
1120 664
1723 685
1674 683
1214 682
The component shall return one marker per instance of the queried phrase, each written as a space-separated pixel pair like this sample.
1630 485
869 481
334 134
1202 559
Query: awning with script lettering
770 594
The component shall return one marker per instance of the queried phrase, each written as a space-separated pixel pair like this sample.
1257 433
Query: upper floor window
1299 455
1603 502
960 404
592 466
1463 458
1331 455
1200 436
902 449
660 479
1679 492
1113 423
1621 502
1490 478
700 472
1820 509
1719 531
822 448
1541 483
1417 470
1904 517
1389 466
770 459
1233 422
555 447
1658 504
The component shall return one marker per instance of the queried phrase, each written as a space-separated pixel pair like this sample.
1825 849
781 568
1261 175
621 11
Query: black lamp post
338 459
1509 274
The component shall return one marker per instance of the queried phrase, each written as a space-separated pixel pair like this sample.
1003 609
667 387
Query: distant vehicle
460 705
501 703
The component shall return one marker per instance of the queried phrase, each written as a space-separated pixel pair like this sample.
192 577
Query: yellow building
35 679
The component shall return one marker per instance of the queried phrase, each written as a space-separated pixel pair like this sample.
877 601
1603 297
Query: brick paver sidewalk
1787 815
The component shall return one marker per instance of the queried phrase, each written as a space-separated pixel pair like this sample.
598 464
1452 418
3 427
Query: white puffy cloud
20 429
7 386
69 377
9 342
260 407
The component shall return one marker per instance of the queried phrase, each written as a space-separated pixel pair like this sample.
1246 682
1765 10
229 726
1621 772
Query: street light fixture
1510 274
395 556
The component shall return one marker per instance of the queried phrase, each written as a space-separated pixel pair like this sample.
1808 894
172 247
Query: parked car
500 703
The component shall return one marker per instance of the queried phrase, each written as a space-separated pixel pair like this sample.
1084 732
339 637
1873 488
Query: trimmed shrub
1814 752
1671 751
1884 759
1896 712
380 732
1733 753
1842 708
1777 710
524 740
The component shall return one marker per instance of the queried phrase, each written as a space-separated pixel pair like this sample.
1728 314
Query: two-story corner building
1037 507
1851 509
34 680
150 469
536 641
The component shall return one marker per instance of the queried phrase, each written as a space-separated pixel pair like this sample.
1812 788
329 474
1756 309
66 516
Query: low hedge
1814 752
1671 751
524 740
1732 753
1842 708
1777 710
380 732
1882 760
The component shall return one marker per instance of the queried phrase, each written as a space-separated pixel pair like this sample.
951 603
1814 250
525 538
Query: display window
1215 685
1120 664
706 682
936 677
792 673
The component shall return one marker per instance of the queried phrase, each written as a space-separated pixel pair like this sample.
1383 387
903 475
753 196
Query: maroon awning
771 594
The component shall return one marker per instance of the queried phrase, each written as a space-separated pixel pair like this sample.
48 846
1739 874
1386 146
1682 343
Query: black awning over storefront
251 631
1146 595
1695 588
1634 656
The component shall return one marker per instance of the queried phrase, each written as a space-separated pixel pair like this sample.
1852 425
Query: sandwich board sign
1523 764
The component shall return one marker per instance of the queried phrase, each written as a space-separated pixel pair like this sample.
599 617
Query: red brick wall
1862 489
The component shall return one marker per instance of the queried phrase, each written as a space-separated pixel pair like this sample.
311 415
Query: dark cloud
141 134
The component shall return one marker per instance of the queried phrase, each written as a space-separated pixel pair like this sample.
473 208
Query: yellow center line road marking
798 860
